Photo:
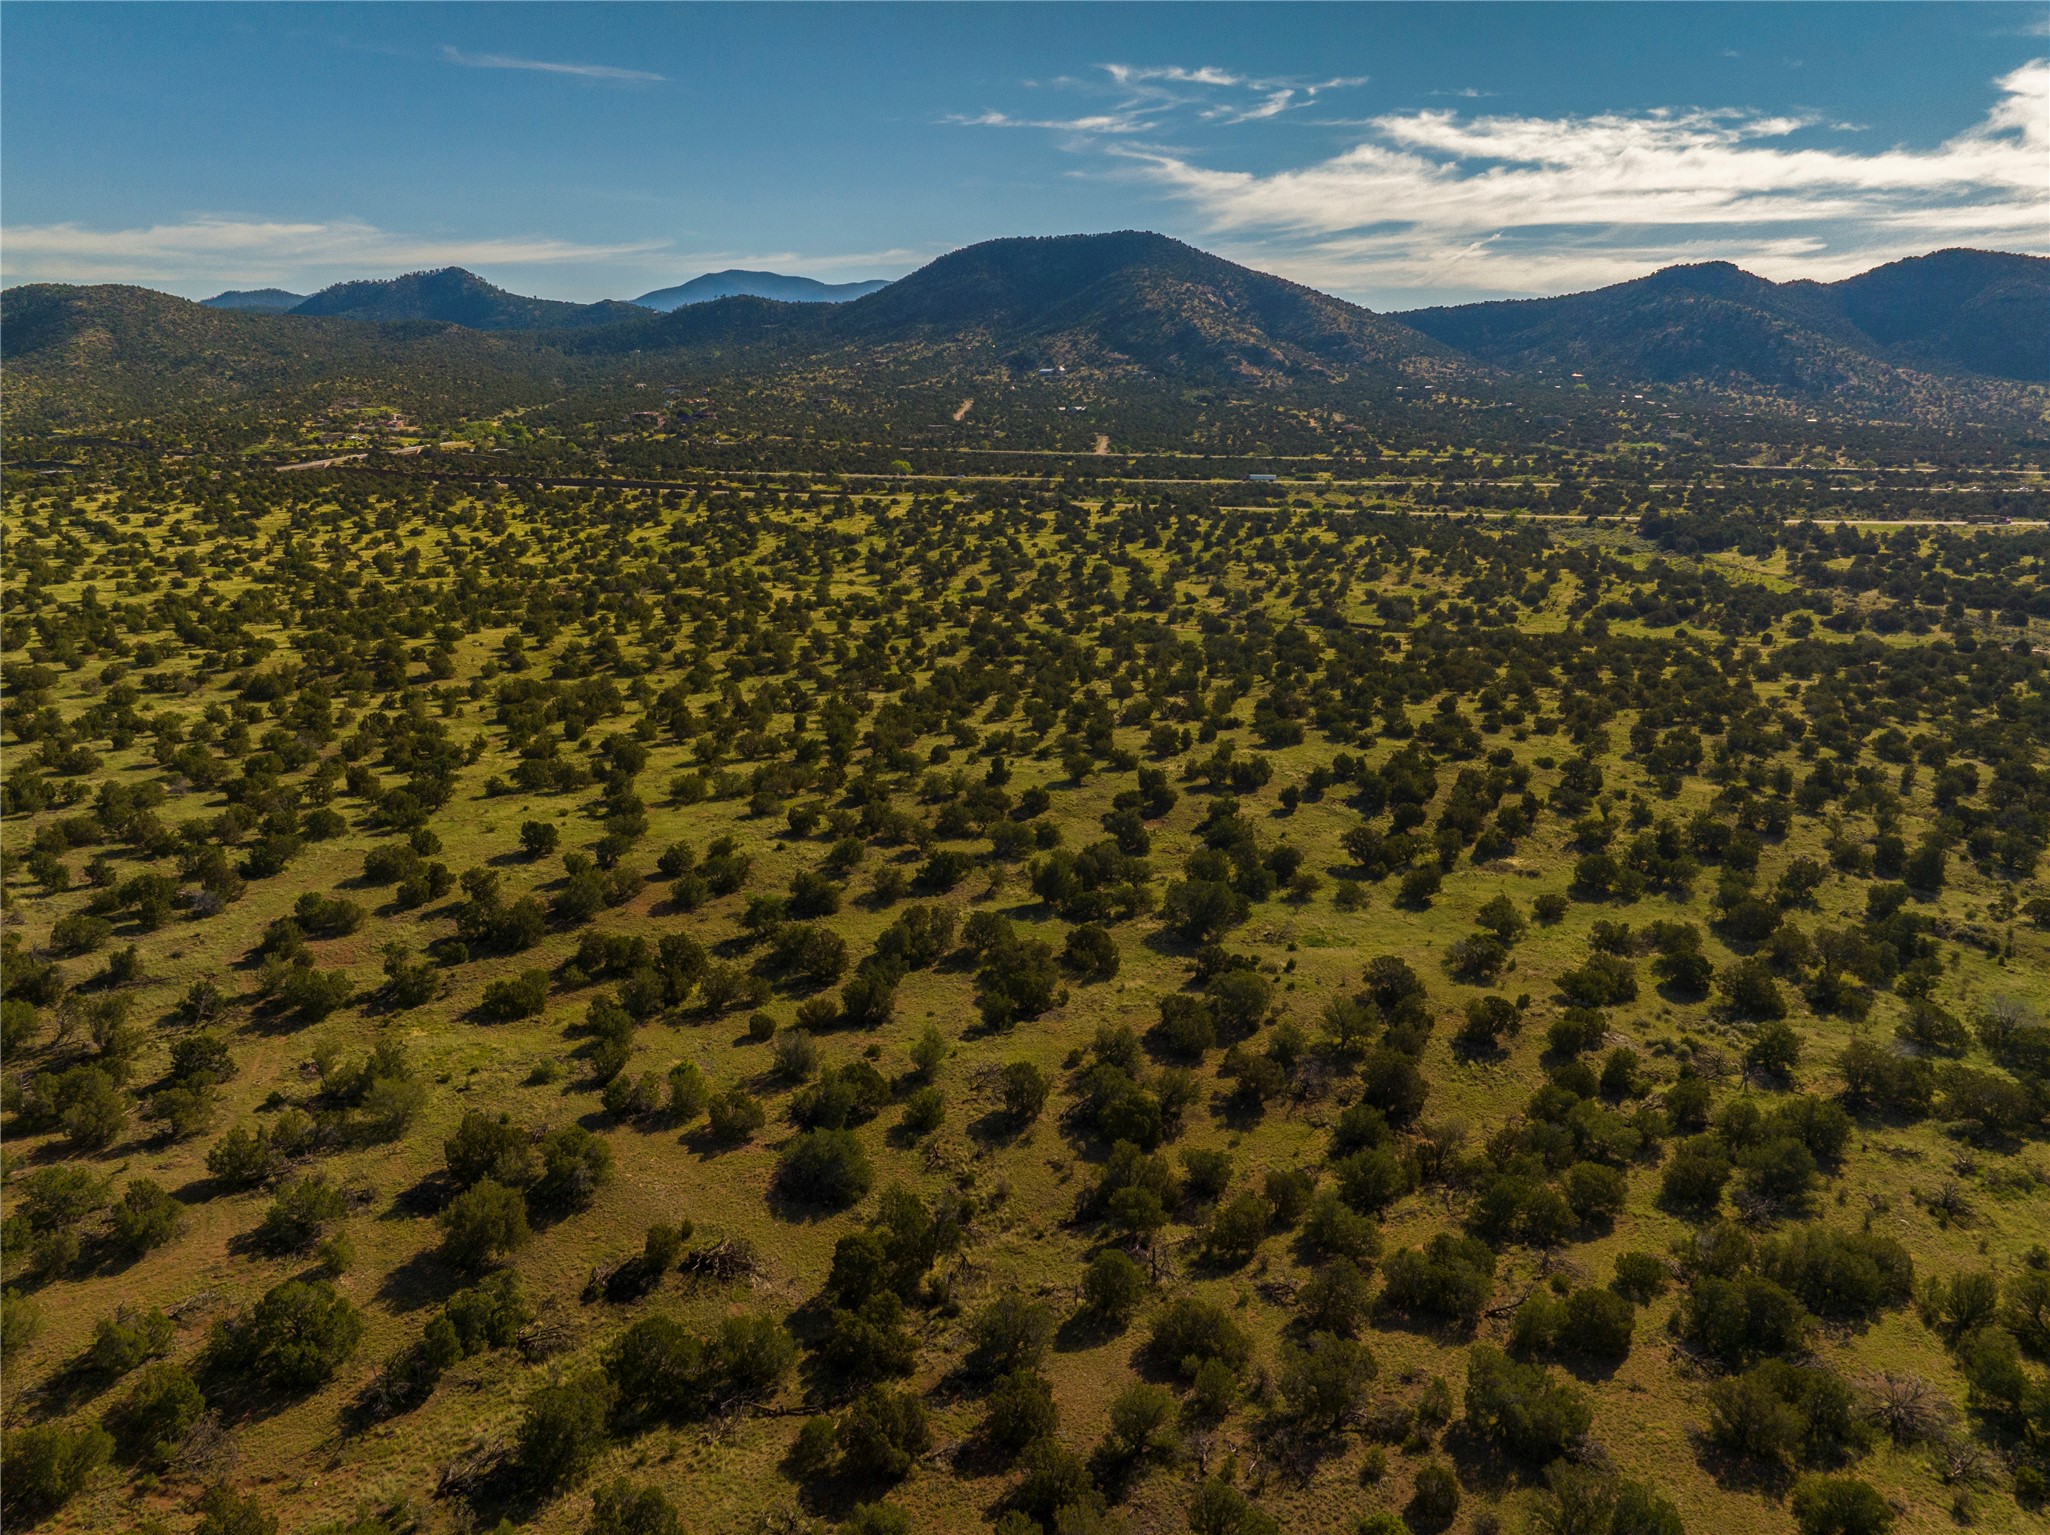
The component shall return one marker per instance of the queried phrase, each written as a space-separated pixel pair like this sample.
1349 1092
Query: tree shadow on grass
1085 1329
273 1020
424 1197
976 1456
1478 1052
1481 1465
1171 945
903 1135
832 1496
489 1483
825 1388
1237 1111
74 1383
1739 1473
798 1210
1454 1332
999 1128
1298 1453
425 1279
1590 1369
707 1147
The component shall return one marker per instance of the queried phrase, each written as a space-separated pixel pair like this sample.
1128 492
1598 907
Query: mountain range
1954 311
453 296
736 283
263 300
463 298
1131 305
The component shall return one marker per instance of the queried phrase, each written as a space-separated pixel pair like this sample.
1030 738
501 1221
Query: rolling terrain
1947 338
1092 894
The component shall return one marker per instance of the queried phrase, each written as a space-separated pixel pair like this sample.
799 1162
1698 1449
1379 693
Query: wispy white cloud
1532 204
1101 122
232 251
1135 74
551 67
1144 98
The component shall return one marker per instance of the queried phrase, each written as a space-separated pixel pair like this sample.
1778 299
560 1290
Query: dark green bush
1450 1277
826 1168
127 1339
575 1164
1524 1409
1190 1332
1018 1410
47 1466
1737 1321
293 1339
1112 1286
151 1421
882 1433
562 1430
223 1511
484 1223
624 1509
1840 1505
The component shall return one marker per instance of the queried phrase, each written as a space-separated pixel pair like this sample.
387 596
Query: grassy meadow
850 697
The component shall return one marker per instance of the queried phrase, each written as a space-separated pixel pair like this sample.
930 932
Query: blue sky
1398 154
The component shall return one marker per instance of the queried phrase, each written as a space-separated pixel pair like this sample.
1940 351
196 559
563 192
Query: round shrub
152 1420
624 1509
223 1511
1840 1505
47 1464
483 1224
882 1434
575 1164
735 1115
1112 1286
487 1147
1640 1276
1018 1410
1524 1409
1597 1323
1436 1498
296 1337
925 1110
826 1168
562 1430
1191 1332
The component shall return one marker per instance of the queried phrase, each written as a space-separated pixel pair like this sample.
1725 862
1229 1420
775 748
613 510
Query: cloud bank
235 251
1445 200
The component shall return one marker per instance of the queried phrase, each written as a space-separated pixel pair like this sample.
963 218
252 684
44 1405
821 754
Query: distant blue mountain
738 284
264 300
1951 311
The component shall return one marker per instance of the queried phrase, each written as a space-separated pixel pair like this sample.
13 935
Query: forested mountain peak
456 297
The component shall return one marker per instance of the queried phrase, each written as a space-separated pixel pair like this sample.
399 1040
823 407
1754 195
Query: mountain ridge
261 300
1957 311
1119 302
1950 331
737 282
455 296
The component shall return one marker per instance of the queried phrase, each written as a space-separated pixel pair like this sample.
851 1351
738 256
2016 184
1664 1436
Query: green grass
306 1461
